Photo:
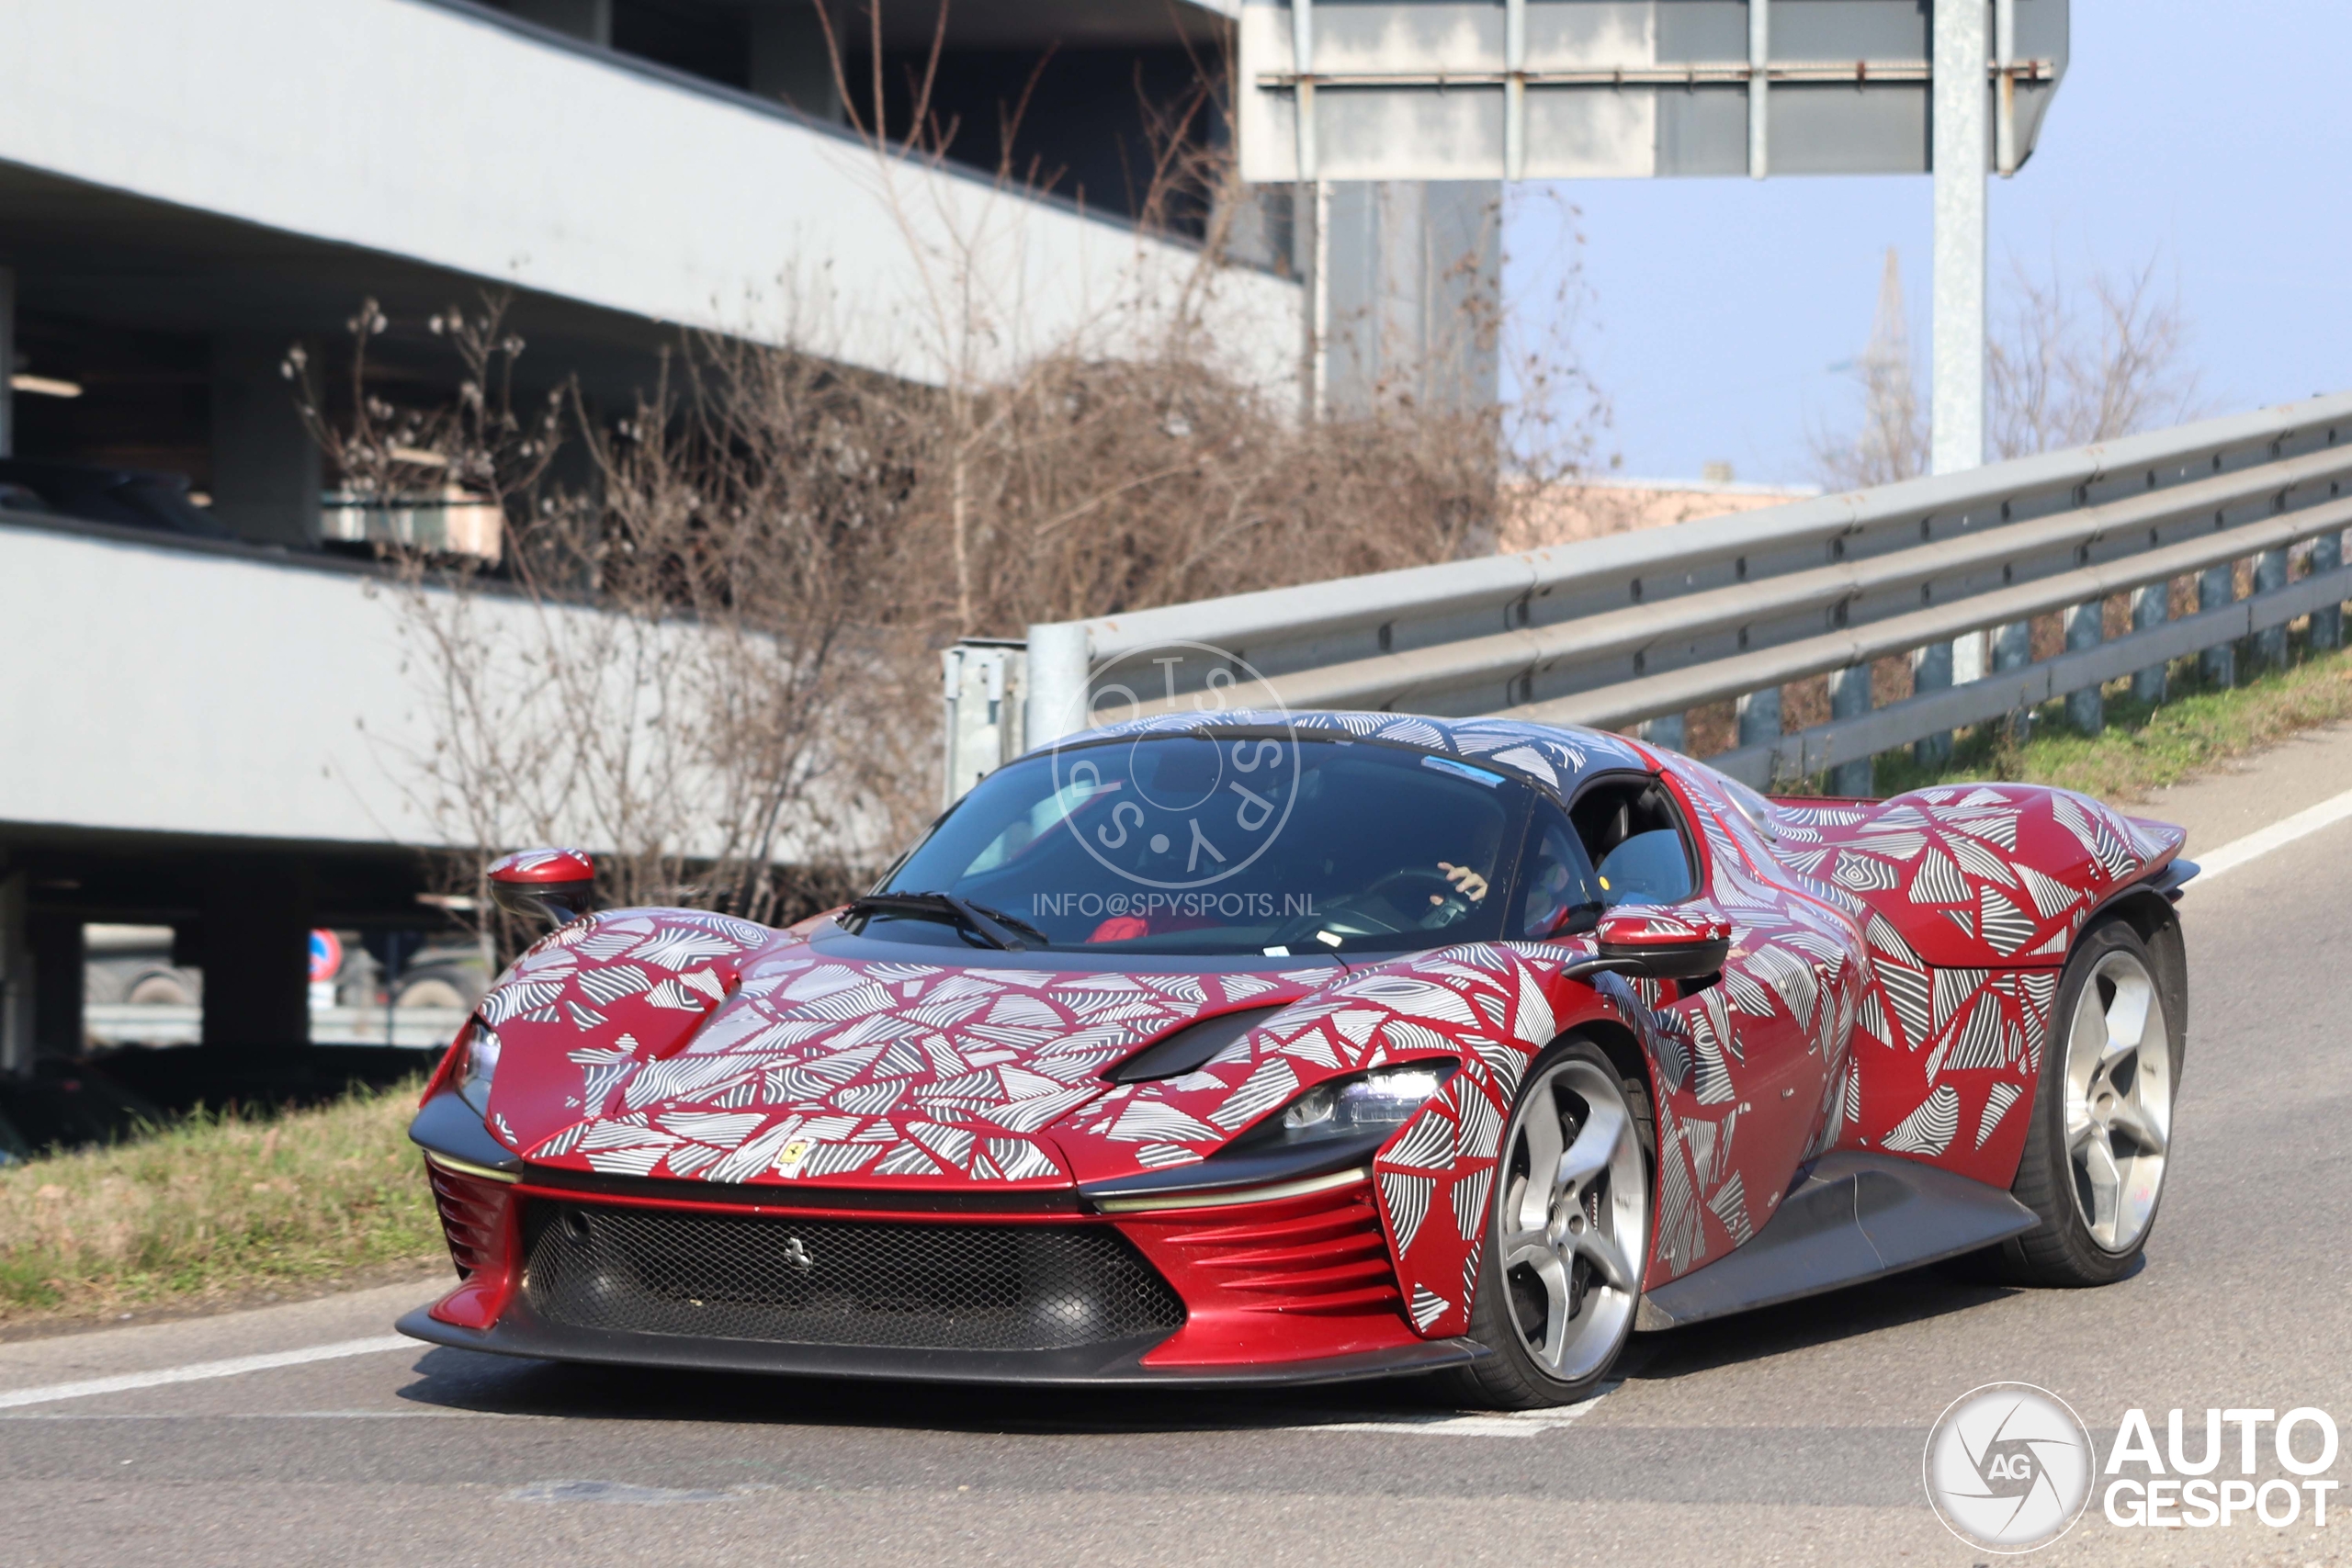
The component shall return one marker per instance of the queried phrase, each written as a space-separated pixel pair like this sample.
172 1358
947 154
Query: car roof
1557 756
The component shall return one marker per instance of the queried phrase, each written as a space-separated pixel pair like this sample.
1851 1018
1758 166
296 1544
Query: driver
1467 881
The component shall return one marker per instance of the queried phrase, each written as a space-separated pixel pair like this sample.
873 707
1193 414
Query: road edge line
198 1372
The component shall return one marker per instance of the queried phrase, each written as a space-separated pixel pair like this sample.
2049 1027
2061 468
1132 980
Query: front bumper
1290 1282
521 1332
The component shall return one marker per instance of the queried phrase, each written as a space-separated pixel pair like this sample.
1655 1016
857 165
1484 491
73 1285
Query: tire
2096 1150
1560 1272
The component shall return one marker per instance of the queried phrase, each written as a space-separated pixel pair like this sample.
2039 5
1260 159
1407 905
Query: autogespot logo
2008 1467
1190 818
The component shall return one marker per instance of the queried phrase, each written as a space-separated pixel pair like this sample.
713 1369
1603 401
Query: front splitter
1116 1363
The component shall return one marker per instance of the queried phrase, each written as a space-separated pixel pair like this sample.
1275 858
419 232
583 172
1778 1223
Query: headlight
477 1066
1378 1101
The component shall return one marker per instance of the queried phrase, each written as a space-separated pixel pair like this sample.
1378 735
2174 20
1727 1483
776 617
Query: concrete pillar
2269 577
1405 302
2151 606
2327 624
266 471
588 20
7 361
256 947
55 940
2085 709
1849 697
790 61
1931 671
2217 587
17 994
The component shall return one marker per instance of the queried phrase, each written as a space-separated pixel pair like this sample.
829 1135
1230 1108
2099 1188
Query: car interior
1620 843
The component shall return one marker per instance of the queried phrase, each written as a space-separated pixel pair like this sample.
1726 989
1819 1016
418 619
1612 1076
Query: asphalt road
1790 1436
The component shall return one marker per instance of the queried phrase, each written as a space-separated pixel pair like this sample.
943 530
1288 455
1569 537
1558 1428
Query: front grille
884 1285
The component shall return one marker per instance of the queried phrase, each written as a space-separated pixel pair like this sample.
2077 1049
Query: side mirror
1677 943
550 885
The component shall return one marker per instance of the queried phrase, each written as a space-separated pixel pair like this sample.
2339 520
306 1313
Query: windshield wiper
993 926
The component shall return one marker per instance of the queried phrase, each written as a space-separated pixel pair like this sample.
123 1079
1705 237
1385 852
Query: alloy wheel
1574 1217
2119 1101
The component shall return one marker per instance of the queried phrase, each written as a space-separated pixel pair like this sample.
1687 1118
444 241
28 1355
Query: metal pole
1320 316
1959 153
1301 57
2005 106
1514 89
1759 57
1057 671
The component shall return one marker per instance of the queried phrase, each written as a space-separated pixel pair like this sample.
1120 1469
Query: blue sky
2211 138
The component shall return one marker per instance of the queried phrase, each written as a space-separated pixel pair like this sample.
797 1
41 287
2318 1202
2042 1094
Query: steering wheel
1441 902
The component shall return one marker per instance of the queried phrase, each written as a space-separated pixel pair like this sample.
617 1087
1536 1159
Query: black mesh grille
885 1284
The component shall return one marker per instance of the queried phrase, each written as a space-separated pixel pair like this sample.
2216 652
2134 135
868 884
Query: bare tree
2067 370
2066 364
712 660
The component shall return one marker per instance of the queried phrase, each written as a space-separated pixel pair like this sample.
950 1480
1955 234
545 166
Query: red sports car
1261 1048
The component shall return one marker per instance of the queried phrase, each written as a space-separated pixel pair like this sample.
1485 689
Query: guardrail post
2085 626
2217 586
2151 606
2269 577
1760 718
1849 697
2327 624
1931 671
1666 730
2013 649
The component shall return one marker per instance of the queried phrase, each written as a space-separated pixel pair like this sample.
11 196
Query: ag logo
2008 1467
1178 815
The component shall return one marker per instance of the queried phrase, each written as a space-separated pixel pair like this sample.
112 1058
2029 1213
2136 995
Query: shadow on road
1938 1290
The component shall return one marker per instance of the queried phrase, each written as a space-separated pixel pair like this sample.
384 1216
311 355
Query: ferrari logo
797 1254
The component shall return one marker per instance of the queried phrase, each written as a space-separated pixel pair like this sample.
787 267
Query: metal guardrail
1638 629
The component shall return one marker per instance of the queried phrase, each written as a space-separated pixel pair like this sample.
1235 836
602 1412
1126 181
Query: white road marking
197 1371
283 1415
1464 1424
2238 851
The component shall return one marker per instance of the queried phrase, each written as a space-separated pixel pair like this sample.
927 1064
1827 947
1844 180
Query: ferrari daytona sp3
1252 1048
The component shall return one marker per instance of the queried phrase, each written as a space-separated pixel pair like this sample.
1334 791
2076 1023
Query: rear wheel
2100 1139
1560 1273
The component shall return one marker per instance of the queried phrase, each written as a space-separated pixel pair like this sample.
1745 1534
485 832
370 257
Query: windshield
1233 845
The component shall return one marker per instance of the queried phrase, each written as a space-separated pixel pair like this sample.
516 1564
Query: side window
1557 894
1634 835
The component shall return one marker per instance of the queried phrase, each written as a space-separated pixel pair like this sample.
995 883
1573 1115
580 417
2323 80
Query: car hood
671 1044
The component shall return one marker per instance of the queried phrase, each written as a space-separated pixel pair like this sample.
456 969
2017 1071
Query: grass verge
213 1206
2143 747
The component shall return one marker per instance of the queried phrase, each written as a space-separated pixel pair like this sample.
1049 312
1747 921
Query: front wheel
2101 1134
1560 1273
